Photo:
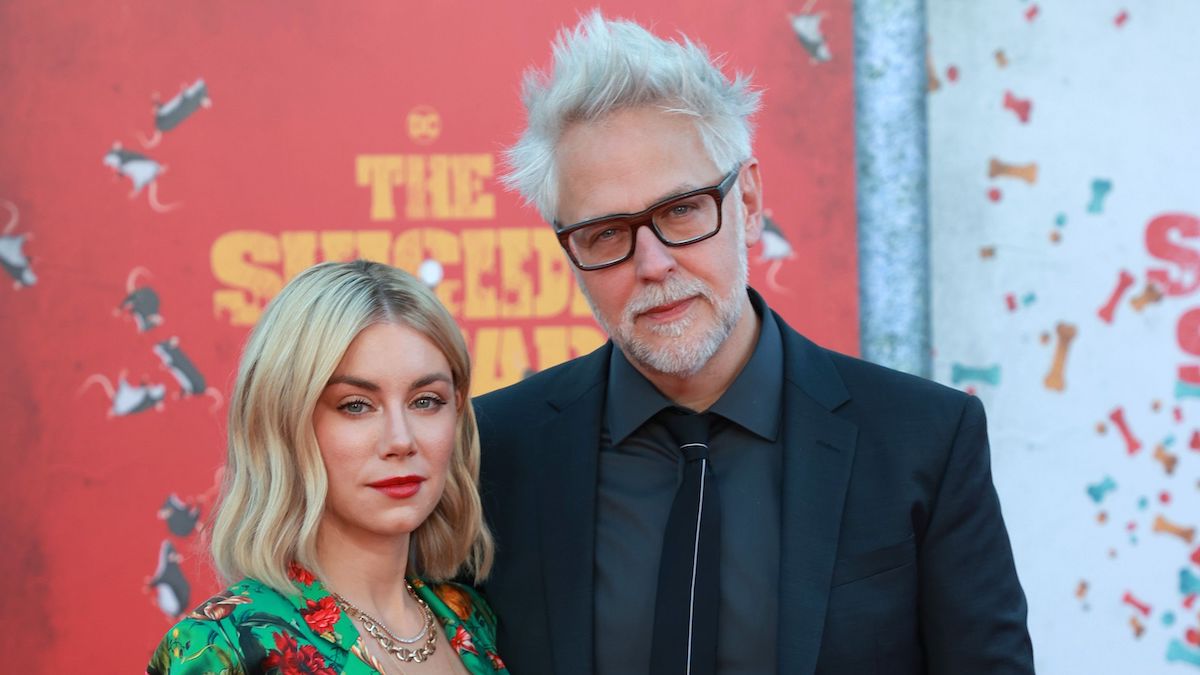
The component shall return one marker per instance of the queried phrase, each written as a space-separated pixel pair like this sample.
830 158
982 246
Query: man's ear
751 202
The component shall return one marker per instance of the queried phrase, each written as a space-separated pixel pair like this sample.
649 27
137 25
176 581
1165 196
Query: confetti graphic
1088 300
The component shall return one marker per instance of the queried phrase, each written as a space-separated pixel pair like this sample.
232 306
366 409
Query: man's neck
699 391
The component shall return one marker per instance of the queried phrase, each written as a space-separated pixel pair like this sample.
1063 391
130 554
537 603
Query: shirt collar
752 401
754 398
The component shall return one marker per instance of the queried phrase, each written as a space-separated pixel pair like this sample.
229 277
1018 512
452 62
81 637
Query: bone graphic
1189 583
1010 301
1021 107
1149 296
1031 13
1193 636
1186 390
1100 189
1025 172
1189 601
1001 58
1124 281
1140 606
987 252
960 373
1196 556
1066 335
1138 628
1132 444
1164 526
1179 652
1081 590
930 72
1165 458
1097 491
1121 18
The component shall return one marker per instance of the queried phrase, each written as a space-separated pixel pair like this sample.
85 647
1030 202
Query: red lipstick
399 487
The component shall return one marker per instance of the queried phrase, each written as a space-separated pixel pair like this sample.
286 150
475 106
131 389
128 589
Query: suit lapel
570 443
818 456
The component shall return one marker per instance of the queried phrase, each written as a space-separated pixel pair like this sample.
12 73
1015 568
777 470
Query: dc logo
424 124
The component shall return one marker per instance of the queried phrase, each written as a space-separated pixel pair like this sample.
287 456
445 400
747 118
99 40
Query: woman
350 493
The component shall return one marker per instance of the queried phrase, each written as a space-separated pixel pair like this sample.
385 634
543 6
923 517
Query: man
825 514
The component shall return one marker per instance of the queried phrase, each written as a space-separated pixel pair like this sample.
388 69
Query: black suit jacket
894 557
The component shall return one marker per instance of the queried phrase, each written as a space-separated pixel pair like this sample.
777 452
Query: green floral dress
252 628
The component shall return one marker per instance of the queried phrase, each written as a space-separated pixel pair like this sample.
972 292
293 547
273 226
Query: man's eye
604 235
681 210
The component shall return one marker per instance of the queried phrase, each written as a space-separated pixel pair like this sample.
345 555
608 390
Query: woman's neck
369 573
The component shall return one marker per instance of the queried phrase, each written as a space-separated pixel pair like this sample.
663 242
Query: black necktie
689 584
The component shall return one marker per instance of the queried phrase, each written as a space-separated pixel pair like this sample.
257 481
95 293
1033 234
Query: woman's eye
354 407
428 402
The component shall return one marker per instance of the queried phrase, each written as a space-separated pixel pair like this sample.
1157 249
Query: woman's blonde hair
274 486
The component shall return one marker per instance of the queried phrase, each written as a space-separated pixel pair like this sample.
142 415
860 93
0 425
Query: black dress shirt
639 470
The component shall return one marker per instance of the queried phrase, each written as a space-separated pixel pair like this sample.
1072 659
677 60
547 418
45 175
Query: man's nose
652 259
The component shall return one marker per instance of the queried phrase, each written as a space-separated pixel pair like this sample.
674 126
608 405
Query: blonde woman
350 495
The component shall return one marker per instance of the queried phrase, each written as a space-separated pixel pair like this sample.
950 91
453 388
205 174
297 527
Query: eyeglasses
677 221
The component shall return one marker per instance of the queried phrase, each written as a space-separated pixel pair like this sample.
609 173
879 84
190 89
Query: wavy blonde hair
274 485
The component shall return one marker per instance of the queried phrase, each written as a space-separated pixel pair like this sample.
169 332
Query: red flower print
300 575
292 659
461 642
497 664
321 616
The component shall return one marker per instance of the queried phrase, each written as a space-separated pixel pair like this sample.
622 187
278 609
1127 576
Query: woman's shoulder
467 605
213 635
469 622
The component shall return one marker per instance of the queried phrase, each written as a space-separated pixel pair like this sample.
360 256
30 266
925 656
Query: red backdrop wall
298 132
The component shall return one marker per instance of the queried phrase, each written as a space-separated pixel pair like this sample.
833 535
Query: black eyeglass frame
644 218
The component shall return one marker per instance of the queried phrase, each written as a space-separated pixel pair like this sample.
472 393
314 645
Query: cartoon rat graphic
12 257
776 249
181 518
190 380
141 302
127 399
171 114
172 591
807 27
141 171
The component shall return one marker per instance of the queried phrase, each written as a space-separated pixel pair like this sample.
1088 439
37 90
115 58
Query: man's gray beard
679 357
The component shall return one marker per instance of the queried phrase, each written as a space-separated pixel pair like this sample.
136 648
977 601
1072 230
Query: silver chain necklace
388 640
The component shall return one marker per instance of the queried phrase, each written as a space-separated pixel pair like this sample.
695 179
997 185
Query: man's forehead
627 162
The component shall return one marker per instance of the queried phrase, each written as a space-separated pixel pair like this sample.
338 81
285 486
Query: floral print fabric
252 628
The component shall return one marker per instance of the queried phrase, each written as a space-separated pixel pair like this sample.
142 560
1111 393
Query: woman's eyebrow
353 381
431 378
